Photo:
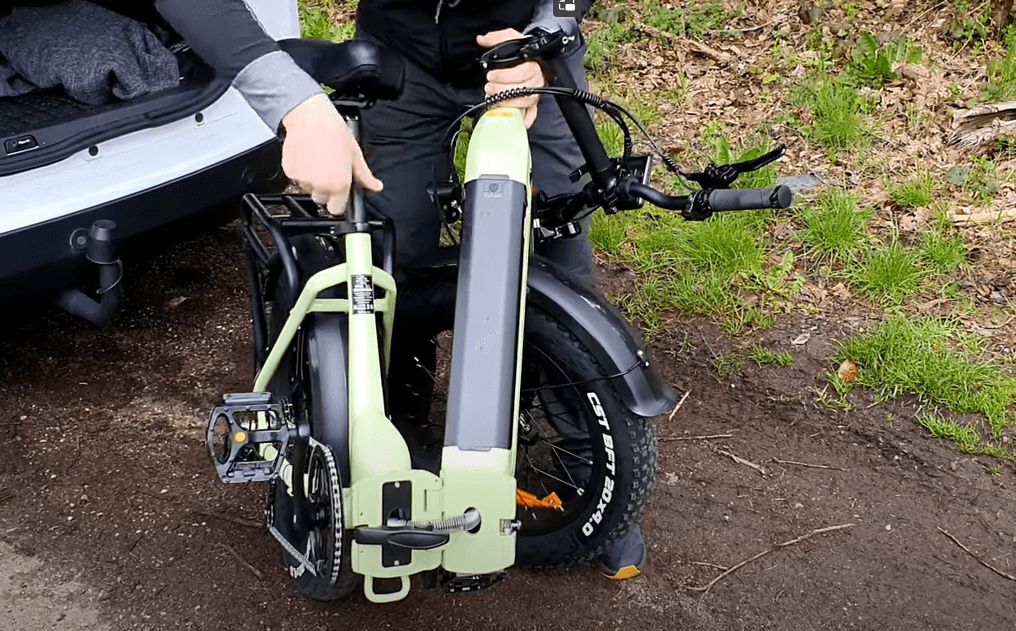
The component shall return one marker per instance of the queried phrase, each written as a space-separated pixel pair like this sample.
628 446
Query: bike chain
336 510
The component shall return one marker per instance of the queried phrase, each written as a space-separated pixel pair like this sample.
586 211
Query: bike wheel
312 378
587 463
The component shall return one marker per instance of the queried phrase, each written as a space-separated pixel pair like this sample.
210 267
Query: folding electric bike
545 454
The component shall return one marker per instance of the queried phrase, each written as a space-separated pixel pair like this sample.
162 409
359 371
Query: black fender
617 347
605 332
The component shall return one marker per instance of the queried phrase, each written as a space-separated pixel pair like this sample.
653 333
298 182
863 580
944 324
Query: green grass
602 43
608 234
1001 84
840 113
833 226
872 63
610 135
694 267
967 438
888 275
462 148
936 362
979 180
692 19
763 356
320 21
727 364
914 193
942 254
726 244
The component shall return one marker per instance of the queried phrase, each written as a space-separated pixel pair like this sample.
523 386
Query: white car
77 181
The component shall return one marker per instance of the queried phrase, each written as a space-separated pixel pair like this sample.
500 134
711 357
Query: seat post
355 212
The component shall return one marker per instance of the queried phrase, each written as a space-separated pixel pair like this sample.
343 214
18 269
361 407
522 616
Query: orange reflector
523 498
240 437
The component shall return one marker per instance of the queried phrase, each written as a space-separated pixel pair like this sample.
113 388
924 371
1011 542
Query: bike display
532 442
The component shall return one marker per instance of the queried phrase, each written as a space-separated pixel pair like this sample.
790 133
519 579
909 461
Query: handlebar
708 201
615 185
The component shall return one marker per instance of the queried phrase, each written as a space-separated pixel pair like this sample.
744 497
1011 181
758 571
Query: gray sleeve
273 85
229 38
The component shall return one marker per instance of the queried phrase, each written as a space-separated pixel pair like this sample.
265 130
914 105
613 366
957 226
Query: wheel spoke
556 448
550 475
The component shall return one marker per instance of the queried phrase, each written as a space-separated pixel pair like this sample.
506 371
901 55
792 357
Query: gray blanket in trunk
93 53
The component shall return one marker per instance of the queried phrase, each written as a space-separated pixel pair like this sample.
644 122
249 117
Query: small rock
801 339
800 183
888 527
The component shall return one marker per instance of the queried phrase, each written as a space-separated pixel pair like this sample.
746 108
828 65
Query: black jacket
439 35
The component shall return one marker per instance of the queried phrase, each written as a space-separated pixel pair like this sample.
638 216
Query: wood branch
977 125
234 520
805 464
1001 15
977 558
678 406
695 46
242 562
705 588
710 437
998 216
740 460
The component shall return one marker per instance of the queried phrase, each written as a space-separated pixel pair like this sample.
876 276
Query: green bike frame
478 458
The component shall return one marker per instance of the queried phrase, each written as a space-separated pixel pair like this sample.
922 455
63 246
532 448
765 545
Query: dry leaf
847 371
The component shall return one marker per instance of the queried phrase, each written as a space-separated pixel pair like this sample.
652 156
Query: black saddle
358 70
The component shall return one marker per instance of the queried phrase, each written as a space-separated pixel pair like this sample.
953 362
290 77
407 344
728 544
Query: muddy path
110 516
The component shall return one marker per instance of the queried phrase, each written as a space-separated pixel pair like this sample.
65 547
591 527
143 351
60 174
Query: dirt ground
111 517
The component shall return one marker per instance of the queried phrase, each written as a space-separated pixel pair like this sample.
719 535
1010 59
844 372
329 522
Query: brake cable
612 109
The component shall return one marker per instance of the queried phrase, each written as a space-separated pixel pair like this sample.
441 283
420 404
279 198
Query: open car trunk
47 125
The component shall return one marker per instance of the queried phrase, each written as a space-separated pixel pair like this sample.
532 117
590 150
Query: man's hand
528 74
321 155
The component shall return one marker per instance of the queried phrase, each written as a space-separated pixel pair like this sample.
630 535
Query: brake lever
534 45
723 175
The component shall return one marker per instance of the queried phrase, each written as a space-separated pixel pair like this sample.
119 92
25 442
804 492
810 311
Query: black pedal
239 428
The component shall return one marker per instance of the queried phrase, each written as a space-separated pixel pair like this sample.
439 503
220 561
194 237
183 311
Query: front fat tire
428 305
621 491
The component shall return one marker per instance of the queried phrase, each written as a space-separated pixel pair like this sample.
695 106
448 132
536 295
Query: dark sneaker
625 558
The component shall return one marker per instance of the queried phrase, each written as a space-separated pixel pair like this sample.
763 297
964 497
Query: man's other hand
321 155
528 74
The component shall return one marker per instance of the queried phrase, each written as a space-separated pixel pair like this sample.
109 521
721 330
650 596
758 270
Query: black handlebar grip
750 198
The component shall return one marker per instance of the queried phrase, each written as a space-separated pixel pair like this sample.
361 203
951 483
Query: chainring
315 533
